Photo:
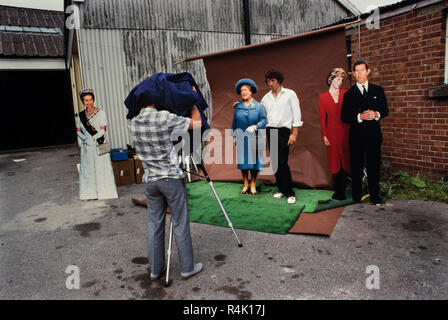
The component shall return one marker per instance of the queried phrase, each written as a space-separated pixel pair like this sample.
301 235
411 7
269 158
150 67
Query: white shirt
366 85
283 111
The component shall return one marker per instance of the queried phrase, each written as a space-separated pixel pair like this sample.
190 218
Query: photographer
151 131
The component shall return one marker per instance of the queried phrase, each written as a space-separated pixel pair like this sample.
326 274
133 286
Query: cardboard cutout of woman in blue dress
249 117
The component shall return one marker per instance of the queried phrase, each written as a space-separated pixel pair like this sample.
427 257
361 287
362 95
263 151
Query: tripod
210 183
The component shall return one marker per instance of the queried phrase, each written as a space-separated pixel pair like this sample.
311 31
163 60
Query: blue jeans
159 195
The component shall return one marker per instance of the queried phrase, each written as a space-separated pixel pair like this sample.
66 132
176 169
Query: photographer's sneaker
278 195
157 276
196 270
291 200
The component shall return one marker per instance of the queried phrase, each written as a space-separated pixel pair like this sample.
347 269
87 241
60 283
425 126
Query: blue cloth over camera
167 91
172 92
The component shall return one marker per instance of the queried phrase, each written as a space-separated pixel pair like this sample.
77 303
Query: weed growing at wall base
402 186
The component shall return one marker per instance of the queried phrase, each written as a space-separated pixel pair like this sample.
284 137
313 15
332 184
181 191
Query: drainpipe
246 17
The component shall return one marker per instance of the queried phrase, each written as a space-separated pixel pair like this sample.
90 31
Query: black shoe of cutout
337 196
378 200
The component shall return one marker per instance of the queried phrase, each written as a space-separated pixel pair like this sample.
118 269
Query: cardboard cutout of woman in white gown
96 177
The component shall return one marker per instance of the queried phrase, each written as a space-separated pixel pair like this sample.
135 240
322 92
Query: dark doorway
37 109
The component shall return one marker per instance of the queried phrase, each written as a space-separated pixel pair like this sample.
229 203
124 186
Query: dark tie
364 92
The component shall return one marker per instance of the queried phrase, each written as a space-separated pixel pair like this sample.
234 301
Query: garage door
37 109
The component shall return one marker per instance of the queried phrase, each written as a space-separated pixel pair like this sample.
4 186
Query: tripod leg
364 186
187 163
167 280
194 163
210 183
225 213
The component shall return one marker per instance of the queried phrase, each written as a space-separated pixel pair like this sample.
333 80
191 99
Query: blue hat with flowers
249 82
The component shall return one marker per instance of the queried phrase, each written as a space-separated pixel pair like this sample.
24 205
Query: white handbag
103 148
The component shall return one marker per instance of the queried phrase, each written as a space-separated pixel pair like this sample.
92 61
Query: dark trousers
359 153
339 183
283 174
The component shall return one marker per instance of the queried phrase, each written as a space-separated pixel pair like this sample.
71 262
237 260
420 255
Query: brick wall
407 56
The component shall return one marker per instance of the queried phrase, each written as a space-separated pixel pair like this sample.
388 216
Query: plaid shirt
151 133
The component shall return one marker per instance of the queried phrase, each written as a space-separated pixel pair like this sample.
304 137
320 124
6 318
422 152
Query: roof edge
398 8
349 7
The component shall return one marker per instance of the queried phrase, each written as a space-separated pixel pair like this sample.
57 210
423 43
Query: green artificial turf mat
259 212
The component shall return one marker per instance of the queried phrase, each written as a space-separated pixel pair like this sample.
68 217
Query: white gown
96 177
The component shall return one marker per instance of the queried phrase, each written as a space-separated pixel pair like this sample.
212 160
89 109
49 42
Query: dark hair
87 94
360 62
274 74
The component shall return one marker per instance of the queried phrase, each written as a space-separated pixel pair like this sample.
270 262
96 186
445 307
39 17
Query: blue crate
117 155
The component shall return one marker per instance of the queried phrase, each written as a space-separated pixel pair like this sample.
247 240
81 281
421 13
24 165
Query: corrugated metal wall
192 15
103 69
279 18
124 41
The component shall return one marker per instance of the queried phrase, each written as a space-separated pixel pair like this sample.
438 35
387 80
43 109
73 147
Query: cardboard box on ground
127 171
138 170
124 172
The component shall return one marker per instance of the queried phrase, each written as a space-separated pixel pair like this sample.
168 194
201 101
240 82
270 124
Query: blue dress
248 158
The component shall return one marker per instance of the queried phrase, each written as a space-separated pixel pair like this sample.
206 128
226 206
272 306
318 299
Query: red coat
335 130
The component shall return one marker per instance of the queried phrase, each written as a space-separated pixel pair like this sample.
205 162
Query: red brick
439 160
439 138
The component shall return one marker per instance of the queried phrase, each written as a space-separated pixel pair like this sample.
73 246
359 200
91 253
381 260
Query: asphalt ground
48 236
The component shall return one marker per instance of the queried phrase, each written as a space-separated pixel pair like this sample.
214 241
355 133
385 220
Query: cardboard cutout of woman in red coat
334 131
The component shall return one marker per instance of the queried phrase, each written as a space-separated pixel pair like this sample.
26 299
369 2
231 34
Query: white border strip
32 64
